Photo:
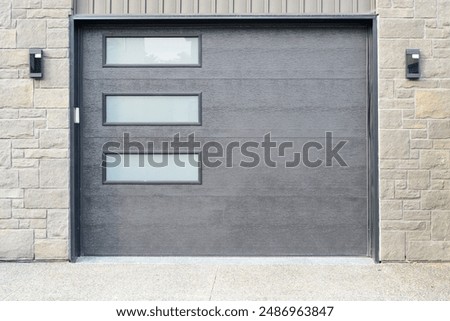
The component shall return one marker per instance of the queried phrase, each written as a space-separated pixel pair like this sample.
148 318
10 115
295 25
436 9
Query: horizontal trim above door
223 7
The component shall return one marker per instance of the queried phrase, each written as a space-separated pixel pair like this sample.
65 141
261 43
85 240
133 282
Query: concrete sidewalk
105 281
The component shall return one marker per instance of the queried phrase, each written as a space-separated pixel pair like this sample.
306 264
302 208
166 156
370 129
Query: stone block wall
414 131
34 143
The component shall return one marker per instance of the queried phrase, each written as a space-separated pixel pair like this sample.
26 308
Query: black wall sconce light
412 63
35 63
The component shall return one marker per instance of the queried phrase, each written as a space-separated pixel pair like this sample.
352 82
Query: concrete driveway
235 281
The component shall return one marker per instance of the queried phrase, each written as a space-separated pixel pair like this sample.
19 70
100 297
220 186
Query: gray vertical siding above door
223 7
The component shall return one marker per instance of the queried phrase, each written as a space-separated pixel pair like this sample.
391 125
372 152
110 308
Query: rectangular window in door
151 168
153 51
152 109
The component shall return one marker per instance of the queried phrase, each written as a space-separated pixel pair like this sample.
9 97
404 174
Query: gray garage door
224 84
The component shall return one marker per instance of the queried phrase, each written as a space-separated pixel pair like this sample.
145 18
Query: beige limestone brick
29 178
25 143
403 3
40 234
17 203
411 205
57 23
26 213
16 244
5 208
391 119
418 180
387 189
396 12
17 153
5 13
393 174
425 8
440 174
9 74
32 224
26 4
54 138
31 113
16 93
56 73
400 184
433 104
394 144
7 38
419 134
46 153
439 129
434 159
51 98
402 28
31 33
416 215
391 210
392 52
52 4
421 144
19 14
58 38
402 225
442 144
54 173
428 251
48 13
47 198
57 118
384 3
56 53
9 178
7 224
5 153
423 235
440 226
57 223
436 200
51 249
16 128
393 245
406 194
25 163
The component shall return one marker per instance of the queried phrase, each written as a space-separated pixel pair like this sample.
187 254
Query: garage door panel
184 73
296 83
241 182
244 92
223 212
286 109
259 50
221 241
294 181
353 151
238 210
238 125
245 188
294 65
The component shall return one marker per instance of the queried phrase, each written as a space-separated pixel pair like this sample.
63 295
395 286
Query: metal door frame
76 56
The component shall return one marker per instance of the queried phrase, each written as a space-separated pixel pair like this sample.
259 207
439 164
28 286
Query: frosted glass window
152 51
154 109
152 168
